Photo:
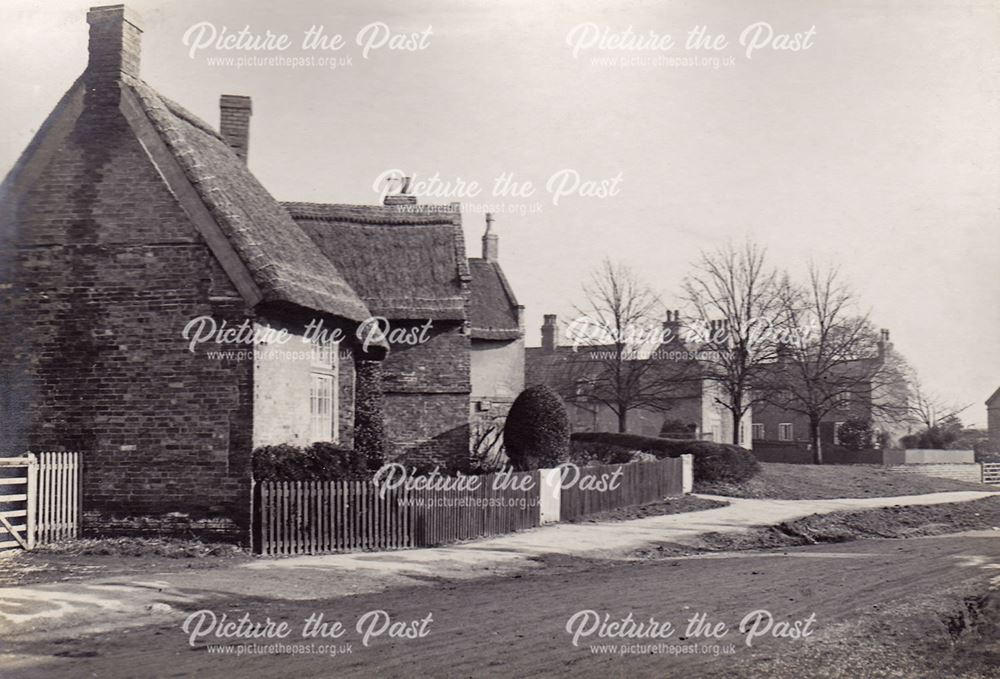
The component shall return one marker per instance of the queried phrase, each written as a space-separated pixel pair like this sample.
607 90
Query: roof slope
282 260
405 264
493 309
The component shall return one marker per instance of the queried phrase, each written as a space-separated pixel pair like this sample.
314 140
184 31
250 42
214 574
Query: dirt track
515 626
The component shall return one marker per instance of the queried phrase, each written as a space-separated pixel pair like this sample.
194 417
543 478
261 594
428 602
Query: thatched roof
404 263
283 262
493 309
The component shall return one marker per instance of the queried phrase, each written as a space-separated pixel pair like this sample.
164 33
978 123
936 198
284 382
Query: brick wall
426 389
101 271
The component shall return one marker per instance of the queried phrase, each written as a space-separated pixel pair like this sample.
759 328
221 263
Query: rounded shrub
536 433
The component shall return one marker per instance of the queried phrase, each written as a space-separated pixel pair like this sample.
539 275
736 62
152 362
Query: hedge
712 461
318 462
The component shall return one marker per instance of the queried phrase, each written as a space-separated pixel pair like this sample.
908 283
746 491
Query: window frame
324 368
782 429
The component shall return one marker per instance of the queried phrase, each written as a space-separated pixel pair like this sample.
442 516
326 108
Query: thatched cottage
139 261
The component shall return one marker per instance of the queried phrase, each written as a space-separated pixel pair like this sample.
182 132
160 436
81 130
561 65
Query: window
321 407
785 431
836 431
323 396
758 430
845 401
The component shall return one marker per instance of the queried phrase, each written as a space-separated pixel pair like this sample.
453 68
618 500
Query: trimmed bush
712 461
536 433
856 434
318 462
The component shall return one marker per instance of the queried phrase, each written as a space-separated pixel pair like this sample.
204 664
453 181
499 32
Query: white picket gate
39 499
991 473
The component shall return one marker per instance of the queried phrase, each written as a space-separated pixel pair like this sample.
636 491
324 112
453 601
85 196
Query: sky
873 147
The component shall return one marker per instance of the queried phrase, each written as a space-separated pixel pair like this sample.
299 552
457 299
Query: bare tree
841 360
618 327
926 408
733 298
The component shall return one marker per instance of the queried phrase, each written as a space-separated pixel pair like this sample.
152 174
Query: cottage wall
101 270
426 387
497 369
282 381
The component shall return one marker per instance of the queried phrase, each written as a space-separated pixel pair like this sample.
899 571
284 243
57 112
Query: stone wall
972 473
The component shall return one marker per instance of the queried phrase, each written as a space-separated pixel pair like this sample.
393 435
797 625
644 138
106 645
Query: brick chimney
550 333
234 123
491 242
115 33
403 197
884 345
672 328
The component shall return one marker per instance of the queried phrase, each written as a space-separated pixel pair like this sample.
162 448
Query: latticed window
323 395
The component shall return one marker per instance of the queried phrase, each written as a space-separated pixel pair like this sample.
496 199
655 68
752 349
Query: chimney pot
403 197
234 123
491 242
550 333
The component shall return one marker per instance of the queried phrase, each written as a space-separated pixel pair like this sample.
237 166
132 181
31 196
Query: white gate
39 499
991 473
18 495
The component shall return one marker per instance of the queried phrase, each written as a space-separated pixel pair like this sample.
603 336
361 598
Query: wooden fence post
32 474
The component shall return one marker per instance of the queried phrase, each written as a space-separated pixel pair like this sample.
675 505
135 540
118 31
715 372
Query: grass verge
826 482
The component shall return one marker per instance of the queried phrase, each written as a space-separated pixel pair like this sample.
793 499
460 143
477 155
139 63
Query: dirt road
881 607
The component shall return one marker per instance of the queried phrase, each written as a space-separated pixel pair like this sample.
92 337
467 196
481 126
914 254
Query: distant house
691 407
993 419
496 329
160 309
860 399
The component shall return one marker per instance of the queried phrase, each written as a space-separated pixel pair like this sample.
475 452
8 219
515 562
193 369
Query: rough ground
884 522
87 558
822 482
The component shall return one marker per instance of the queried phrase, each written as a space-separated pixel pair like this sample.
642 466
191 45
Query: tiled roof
493 309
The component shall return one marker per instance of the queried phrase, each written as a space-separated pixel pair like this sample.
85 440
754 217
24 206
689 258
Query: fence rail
639 483
316 517
991 473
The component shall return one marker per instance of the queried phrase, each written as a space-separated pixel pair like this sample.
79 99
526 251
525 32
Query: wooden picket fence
639 484
58 496
39 499
317 517
991 473
497 506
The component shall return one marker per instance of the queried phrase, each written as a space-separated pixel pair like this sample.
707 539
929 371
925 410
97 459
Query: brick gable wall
102 270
